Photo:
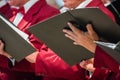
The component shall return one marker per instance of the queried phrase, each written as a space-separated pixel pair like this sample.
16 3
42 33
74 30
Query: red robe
25 70
99 4
54 66
106 62
48 63
106 67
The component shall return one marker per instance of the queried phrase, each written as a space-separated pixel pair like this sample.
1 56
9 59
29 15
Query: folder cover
50 32
15 45
114 53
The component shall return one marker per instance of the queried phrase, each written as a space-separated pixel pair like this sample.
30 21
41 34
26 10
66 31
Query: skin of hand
88 64
2 51
1 47
31 58
85 39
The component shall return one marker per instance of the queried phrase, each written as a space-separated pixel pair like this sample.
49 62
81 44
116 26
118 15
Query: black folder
50 32
15 45
114 53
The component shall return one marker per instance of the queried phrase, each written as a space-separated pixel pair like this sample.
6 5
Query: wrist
5 54
92 47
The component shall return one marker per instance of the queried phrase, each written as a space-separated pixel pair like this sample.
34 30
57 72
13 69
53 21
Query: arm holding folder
79 17
7 41
31 58
102 54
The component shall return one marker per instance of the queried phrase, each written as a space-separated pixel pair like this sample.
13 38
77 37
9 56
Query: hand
91 33
1 47
2 52
88 64
82 38
32 57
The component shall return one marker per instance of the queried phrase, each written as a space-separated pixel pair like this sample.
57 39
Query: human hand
2 51
91 33
82 38
88 64
32 57
1 47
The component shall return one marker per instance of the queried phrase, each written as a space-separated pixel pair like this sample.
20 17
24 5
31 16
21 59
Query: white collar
2 3
83 4
28 5
108 3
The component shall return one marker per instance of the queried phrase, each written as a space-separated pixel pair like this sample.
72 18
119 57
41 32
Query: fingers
69 34
90 29
87 65
1 43
32 57
92 34
82 64
75 30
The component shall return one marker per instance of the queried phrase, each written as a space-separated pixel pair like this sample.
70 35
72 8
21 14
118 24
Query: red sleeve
48 63
4 62
3 76
4 9
24 66
107 12
82 73
100 74
103 60
99 4
5 65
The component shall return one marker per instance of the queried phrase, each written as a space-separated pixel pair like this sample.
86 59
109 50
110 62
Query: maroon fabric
99 4
54 65
106 62
25 70
48 64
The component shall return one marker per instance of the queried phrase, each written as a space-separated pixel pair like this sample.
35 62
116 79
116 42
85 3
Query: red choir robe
106 68
25 70
106 62
48 64
54 65
99 4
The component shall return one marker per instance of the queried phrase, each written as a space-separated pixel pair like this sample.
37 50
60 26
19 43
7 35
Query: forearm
5 54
